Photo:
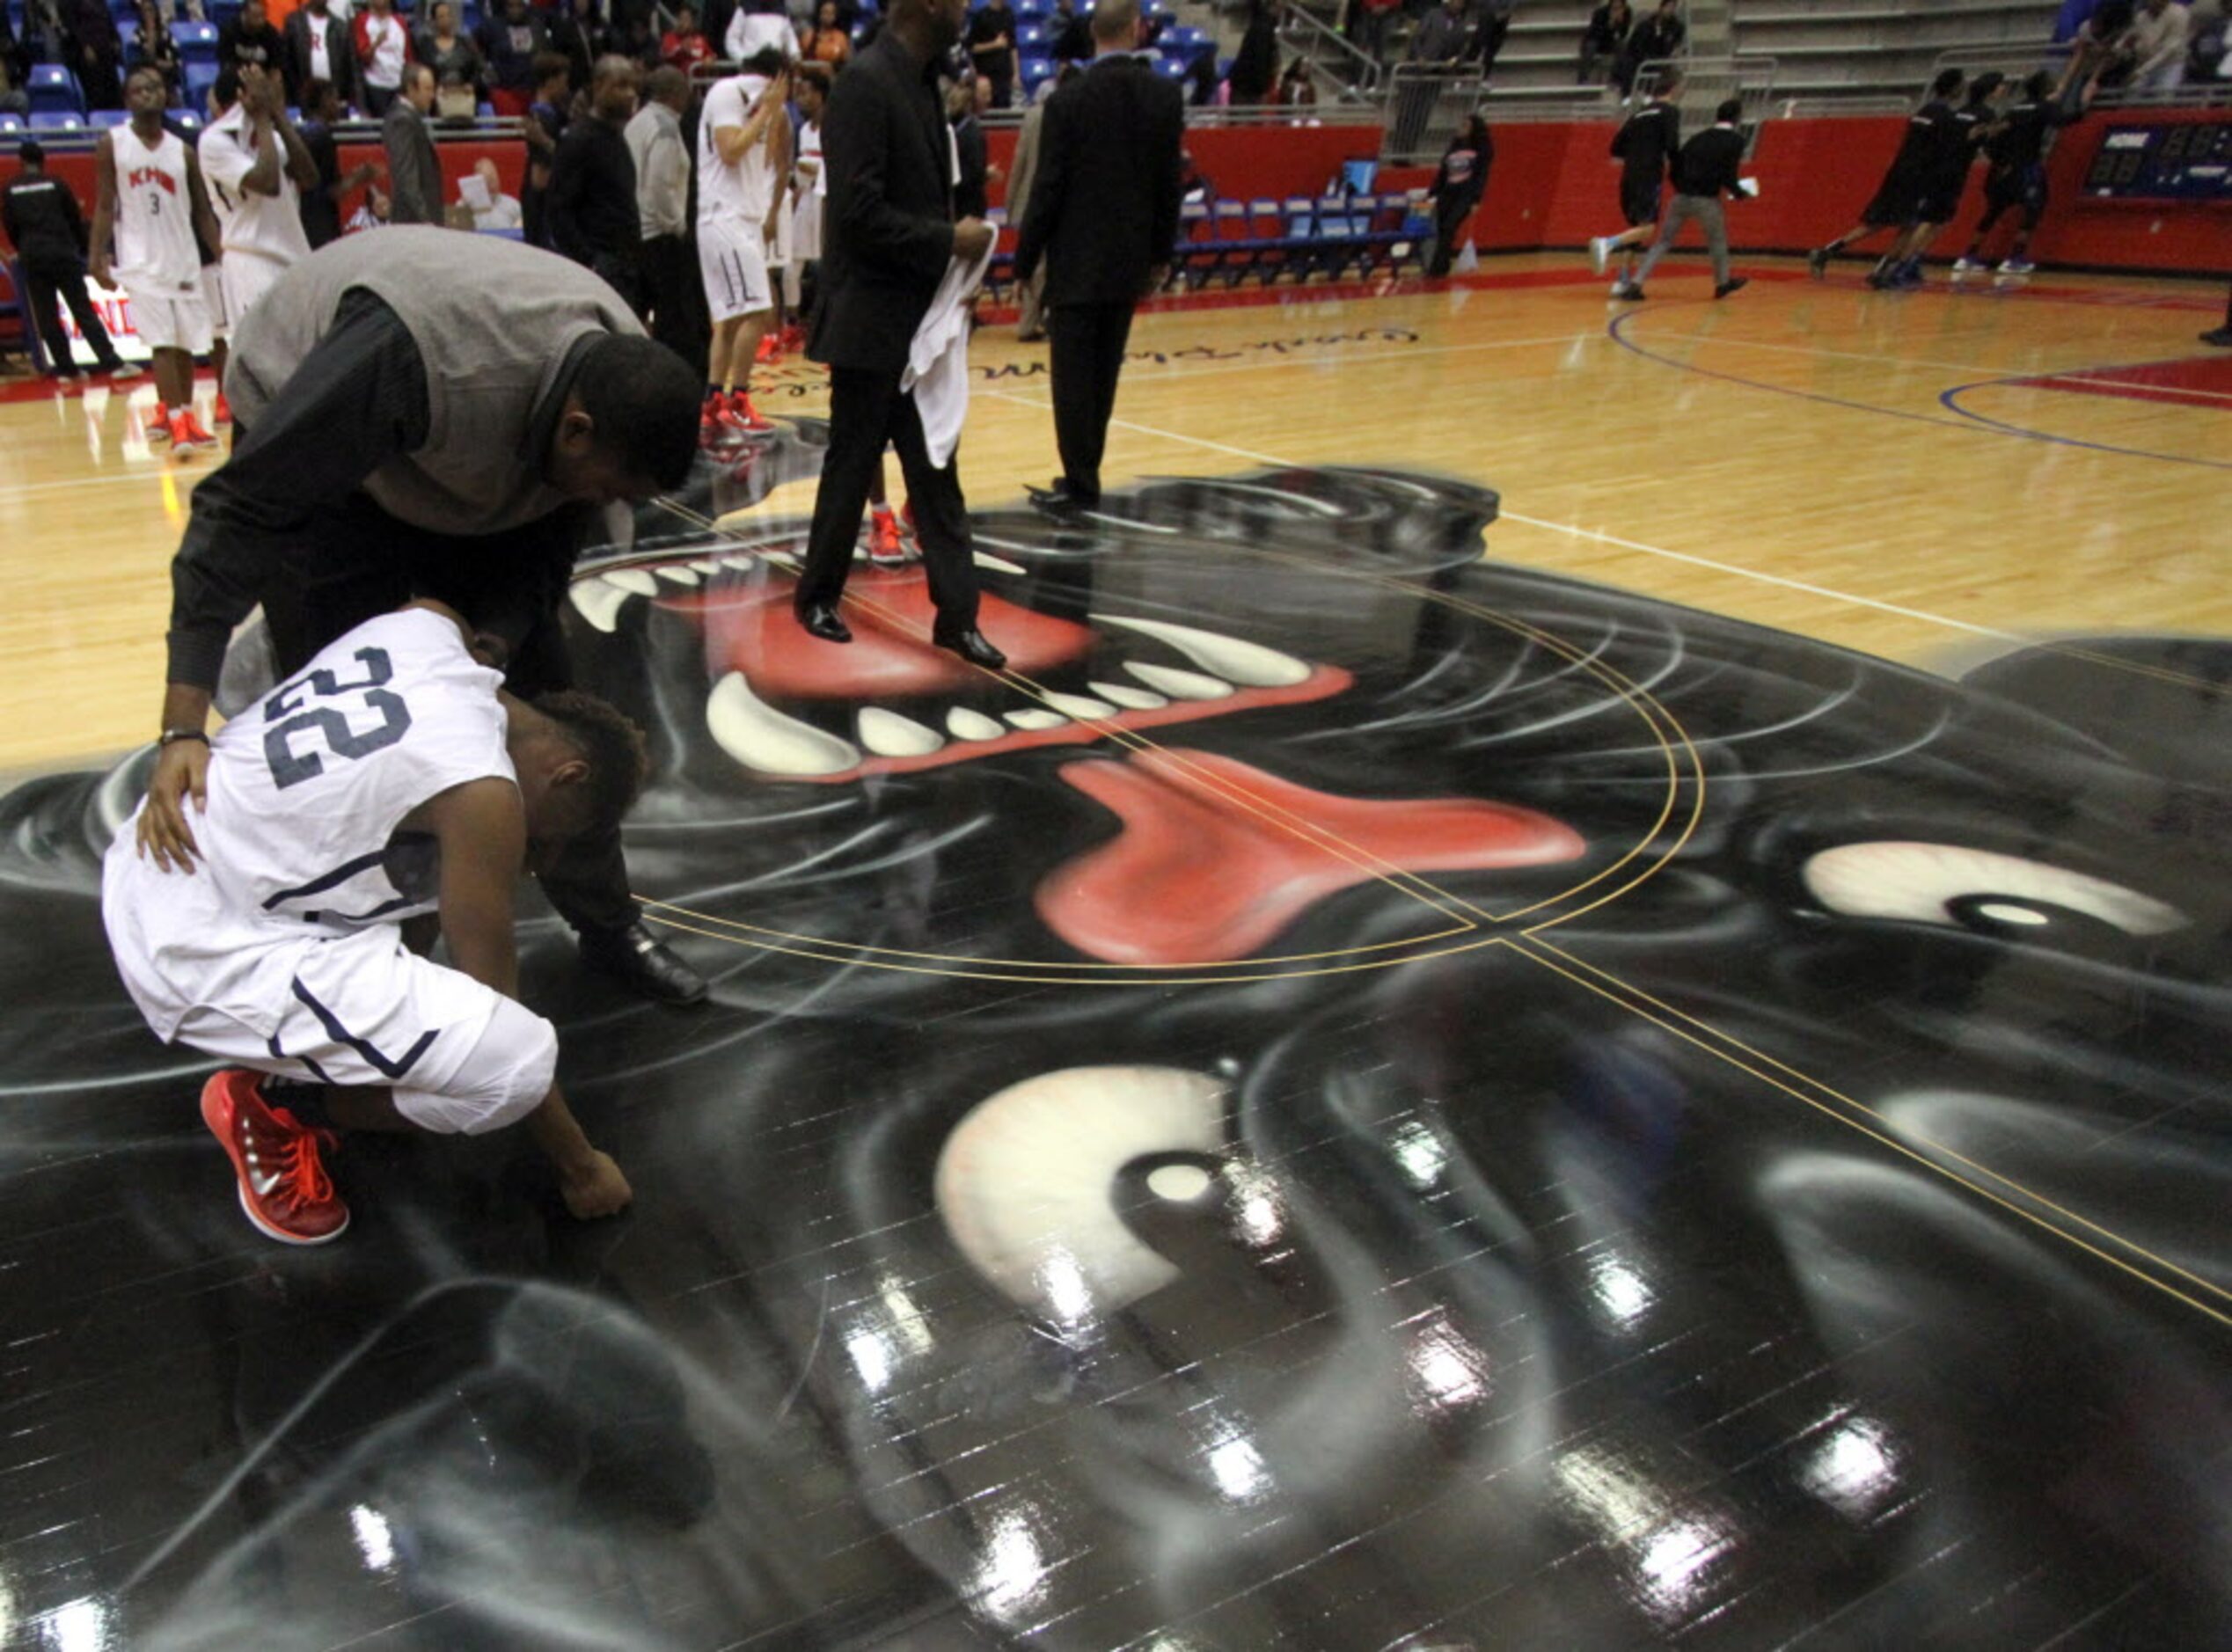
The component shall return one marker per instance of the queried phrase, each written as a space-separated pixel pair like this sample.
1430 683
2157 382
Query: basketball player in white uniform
388 780
149 202
256 167
739 164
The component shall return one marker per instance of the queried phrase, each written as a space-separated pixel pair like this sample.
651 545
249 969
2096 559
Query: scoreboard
2189 161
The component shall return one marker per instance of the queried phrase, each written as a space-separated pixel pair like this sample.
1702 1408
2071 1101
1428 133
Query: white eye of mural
1921 881
1026 1183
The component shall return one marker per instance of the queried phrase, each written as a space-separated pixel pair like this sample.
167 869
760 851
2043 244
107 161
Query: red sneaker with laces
223 412
745 416
886 549
712 427
187 433
793 338
284 1185
770 348
158 424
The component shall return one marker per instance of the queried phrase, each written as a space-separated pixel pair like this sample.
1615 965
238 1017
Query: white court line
1601 537
1258 364
21 489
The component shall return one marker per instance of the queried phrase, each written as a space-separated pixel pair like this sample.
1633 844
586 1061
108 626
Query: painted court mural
1357 1097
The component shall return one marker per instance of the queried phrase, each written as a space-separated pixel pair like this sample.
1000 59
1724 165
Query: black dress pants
1449 218
43 283
868 409
357 562
1087 345
670 267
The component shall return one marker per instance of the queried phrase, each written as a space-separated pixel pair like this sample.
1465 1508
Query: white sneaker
2016 266
1600 252
1965 265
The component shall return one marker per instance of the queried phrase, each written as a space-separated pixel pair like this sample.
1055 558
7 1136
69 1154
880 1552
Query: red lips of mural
749 628
1217 858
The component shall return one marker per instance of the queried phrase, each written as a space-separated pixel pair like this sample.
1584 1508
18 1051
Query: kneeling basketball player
390 778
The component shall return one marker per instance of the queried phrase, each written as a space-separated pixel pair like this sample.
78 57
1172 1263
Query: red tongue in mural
1216 858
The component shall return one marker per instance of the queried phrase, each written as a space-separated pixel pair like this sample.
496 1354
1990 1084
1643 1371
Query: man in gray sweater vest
420 413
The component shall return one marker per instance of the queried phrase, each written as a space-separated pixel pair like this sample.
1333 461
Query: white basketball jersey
306 790
155 245
269 226
743 192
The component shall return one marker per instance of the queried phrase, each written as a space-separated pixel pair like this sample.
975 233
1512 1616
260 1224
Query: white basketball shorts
735 267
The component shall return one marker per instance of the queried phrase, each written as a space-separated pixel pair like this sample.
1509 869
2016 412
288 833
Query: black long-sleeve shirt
1708 163
1647 140
591 207
359 399
2021 141
42 221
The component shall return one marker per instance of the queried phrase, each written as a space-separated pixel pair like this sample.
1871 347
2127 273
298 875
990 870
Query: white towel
937 372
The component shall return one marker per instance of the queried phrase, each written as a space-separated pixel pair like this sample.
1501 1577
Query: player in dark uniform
2015 175
1898 198
1645 146
1940 200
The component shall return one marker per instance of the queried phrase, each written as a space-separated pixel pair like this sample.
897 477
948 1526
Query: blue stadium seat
197 42
57 121
188 121
104 119
1036 71
200 78
10 123
54 91
1030 37
1172 68
221 12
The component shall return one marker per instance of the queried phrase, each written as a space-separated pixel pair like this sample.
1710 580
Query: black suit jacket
886 235
340 55
1103 209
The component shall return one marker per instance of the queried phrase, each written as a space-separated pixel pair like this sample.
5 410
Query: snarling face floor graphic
1354 1097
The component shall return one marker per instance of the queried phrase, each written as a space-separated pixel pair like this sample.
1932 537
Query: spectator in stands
1487 41
15 64
1898 197
826 42
545 125
1704 172
992 49
452 55
684 46
510 41
322 205
2094 45
502 211
1442 35
594 219
383 53
1645 146
1658 38
2206 57
1458 186
1367 26
1605 33
414 176
319 47
47 232
577 32
96 51
250 40
1297 86
1255 65
153 47
371 213
2155 45
662 157
1069 33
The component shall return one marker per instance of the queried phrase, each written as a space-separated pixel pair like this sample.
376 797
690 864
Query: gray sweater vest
494 320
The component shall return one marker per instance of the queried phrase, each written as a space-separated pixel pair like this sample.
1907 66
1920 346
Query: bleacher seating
53 89
1874 46
197 42
57 121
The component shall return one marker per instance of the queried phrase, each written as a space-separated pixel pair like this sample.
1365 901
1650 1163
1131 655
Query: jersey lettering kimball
155 245
307 791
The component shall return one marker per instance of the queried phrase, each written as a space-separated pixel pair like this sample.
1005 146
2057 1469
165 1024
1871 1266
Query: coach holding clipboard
889 237
1103 212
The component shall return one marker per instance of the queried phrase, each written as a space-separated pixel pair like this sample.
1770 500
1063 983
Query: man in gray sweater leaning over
425 413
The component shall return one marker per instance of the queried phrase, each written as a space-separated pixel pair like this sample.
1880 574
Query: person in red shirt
685 45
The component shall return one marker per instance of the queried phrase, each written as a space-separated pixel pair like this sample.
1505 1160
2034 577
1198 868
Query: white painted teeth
888 735
599 601
709 565
1133 699
963 724
760 737
1249 664
679 575
639 582
1035 720
736 560
1077 706
1179 685
999 564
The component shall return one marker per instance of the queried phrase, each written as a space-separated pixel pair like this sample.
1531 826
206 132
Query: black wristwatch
172 736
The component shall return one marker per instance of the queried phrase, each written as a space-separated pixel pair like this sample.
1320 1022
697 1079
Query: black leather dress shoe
1058 501
970 646
821 620
644 963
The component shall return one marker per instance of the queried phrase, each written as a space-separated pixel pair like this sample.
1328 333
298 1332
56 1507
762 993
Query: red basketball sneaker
744 416
770 348
284 1185
187 434
886 549
224 412
713 429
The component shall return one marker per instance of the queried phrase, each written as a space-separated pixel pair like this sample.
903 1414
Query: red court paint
1215 857
2197 381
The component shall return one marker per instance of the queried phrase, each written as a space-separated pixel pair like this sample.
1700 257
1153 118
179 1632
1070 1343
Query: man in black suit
888 234
1103 212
